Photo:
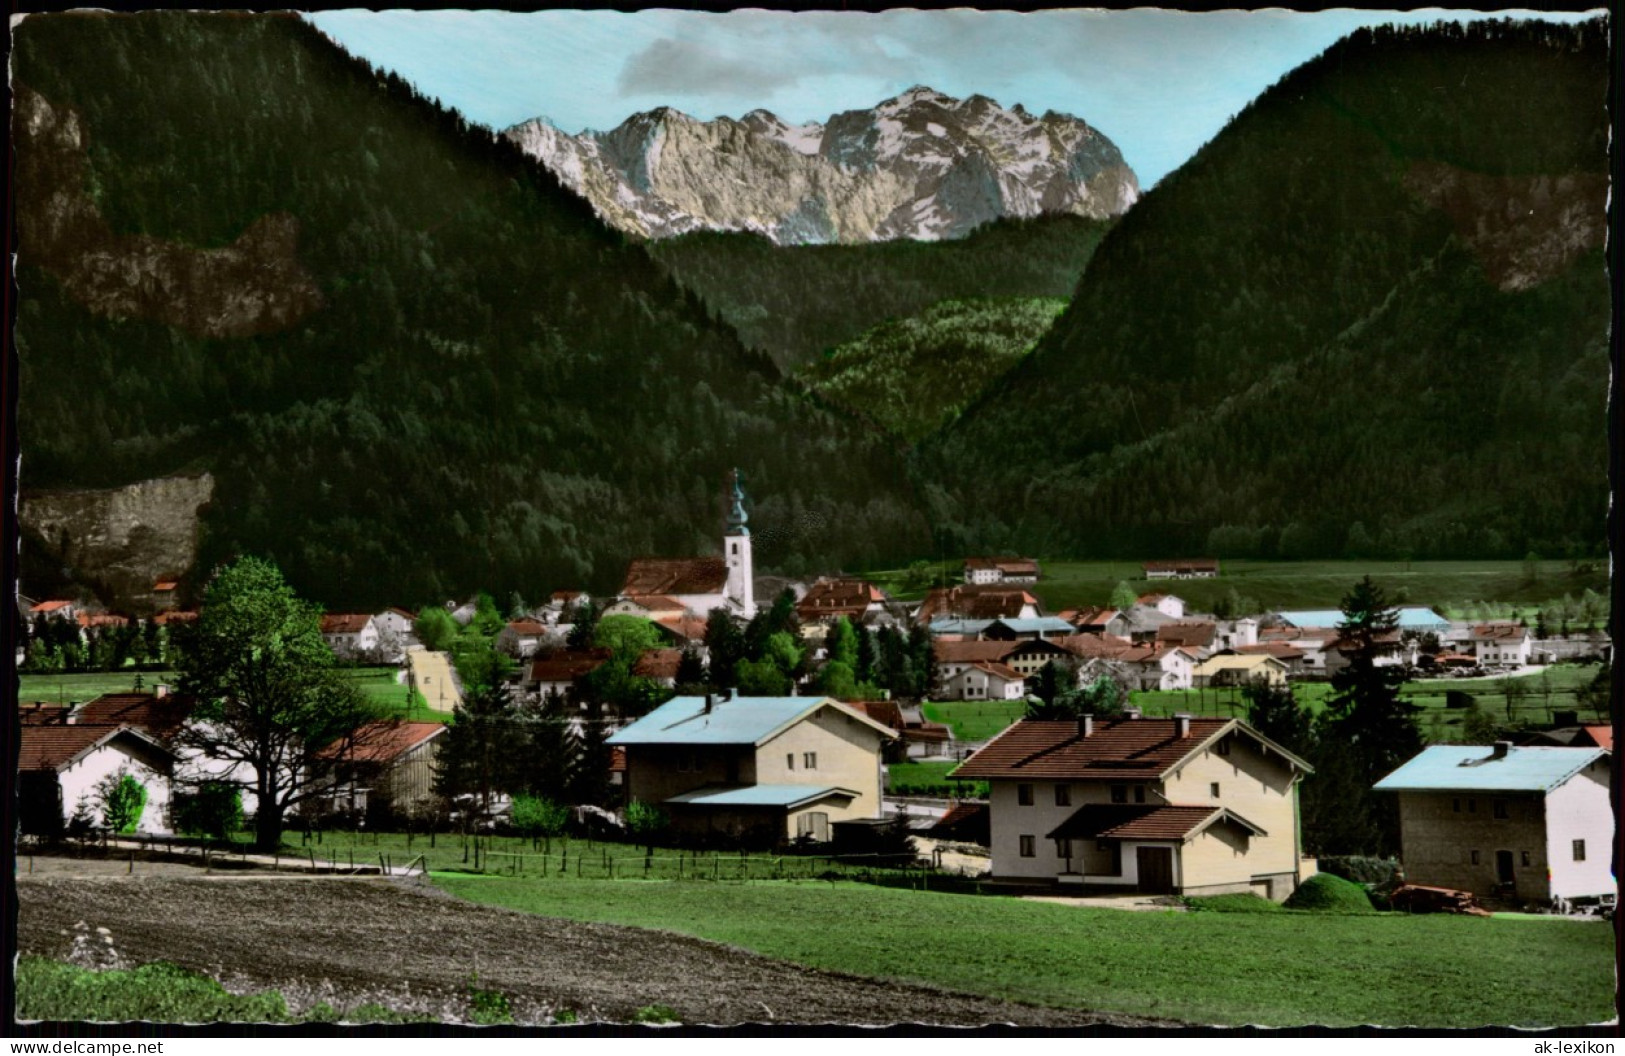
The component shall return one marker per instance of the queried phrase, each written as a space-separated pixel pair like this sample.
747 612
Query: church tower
741 589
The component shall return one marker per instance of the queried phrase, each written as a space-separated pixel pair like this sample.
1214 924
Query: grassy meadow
1283 969
83 686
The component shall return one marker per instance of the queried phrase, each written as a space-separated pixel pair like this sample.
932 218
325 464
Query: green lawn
975 720
64 689
929 778
1282 969
379 684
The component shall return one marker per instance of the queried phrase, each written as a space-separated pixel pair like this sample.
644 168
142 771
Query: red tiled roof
657 603
568 666
1128 749
163 585
989 601
950 652
1196 633
687 628
1499 632
1601 736
101 619
382 742
1150 654
42 713
1093 646
182 616
1092 617
885 712
158 717
1108 821
54 747
527 628
682 575
1009 674
838 597
345 622
658 663
51 606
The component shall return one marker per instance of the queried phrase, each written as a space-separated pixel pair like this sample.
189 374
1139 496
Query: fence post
132 862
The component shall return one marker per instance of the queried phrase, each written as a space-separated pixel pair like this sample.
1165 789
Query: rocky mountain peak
920 165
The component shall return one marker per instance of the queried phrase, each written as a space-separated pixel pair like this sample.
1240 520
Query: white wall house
1502 645
62 766
985 681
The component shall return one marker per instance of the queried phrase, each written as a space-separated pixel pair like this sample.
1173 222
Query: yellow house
755 770
1236 669
1169 806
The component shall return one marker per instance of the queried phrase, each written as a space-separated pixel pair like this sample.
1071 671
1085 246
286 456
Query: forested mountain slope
1370 317
794 302
413 363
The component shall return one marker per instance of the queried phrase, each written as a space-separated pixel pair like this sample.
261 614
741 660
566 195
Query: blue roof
740 720
761 795
1039 624
1411 618
1473 768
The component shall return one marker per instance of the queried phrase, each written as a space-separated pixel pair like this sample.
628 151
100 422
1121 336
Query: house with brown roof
60 766
1170 605
165 593
953 657
1168 806
522 638
985 681
56 609
1310 641
976 603
830 599
700 584
1289 655
1156 666
1194 636
383 771
647 606
984 570
1097 620
349 634
558 672
685 632
1189 568
159 714
1500 645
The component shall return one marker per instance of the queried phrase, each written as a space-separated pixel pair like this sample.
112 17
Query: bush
1241 902
159 992
539 817
1326 893
122 799
214 810
1361 869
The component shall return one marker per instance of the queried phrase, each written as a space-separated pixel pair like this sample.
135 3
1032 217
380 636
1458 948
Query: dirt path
414 948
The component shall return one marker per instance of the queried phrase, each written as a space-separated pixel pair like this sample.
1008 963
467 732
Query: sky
1158 83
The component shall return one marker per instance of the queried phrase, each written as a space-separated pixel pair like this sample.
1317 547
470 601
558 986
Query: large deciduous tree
270 698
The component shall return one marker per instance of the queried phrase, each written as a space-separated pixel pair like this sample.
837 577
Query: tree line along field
1283 969
1449 586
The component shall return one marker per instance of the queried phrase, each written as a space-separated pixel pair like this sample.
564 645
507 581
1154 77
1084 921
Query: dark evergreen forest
496 391
794 302
1326 335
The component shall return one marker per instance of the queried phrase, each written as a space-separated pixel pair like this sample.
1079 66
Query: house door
1156 866
1503 867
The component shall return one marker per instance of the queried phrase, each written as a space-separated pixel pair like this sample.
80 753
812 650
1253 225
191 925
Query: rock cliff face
256 285
922 165
118 541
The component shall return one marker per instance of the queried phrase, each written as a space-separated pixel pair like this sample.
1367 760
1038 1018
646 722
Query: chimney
1131 713
1500 749
160 690
1182 723
1086 725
